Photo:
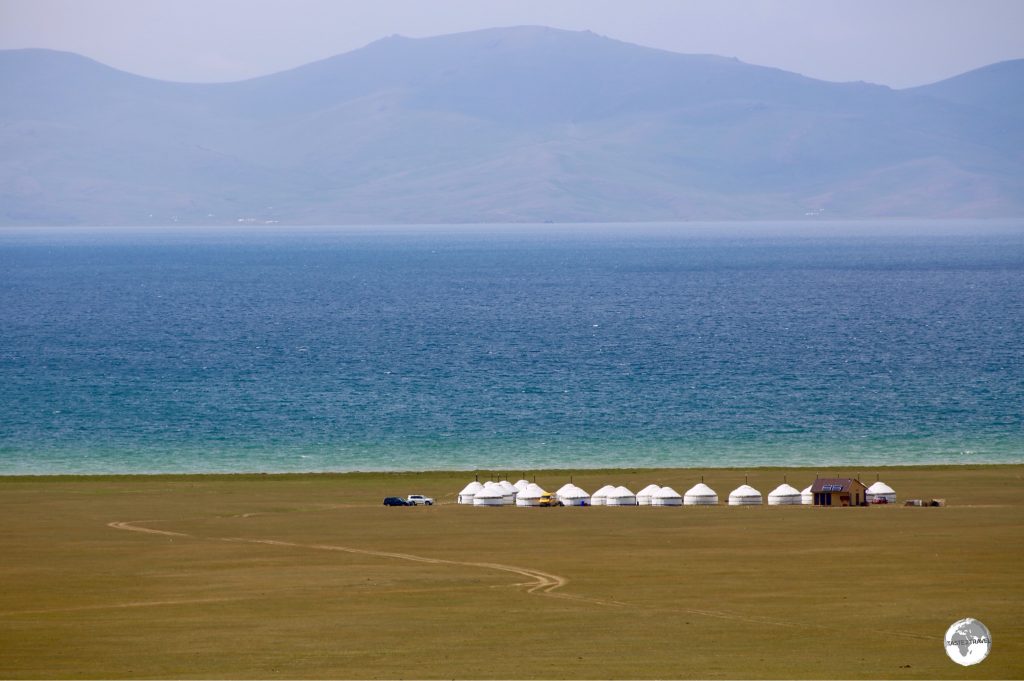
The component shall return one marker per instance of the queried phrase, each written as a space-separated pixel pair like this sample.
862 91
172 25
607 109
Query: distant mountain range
523 124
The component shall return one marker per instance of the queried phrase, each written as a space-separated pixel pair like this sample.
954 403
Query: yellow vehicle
548 500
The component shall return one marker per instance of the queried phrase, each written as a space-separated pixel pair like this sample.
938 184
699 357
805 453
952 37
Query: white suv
417 499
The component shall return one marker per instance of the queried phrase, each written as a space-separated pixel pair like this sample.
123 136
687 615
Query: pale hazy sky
893 42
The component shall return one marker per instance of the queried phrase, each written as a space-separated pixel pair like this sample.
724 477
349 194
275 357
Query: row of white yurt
880 491
652 495
784 495
524 493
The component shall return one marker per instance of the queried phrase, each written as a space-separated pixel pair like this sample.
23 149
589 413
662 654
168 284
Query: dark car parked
395 501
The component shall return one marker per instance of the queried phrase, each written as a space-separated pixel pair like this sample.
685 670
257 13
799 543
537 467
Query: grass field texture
309 576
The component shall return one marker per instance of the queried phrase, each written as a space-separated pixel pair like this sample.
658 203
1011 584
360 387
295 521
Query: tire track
540 582
129 604
132 527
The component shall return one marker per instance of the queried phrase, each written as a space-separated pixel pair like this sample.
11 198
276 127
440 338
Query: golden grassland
309 576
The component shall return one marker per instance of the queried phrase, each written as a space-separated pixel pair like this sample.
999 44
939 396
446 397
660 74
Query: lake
510 347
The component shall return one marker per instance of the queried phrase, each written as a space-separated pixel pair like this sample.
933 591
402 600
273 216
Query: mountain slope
994 88
520 124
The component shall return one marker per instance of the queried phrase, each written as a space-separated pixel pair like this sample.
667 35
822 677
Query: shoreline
825 469
504 454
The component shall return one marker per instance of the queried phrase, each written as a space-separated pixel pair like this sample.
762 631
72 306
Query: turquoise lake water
510 347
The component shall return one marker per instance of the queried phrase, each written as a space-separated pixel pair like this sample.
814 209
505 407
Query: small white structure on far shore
784 495
530 496
700 495
599 497
879 491
521 485
620 496
469 491
490 496
666 496
574 496
643 497
510 491
744 495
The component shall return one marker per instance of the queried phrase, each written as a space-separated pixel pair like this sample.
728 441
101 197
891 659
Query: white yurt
521 485
469 491
700 495
574 496
784 495
643 497
744 495
620 496
563 488
599 497
666 496
530 496
878 491
490 496
510 492
491 485
807 496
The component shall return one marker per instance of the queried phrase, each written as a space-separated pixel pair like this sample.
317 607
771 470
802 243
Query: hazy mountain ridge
522 124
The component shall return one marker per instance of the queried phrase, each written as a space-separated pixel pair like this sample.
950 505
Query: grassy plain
250 579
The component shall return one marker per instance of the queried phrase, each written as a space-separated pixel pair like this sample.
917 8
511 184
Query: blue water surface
510 347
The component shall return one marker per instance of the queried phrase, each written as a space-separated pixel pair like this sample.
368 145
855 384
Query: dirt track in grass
541 582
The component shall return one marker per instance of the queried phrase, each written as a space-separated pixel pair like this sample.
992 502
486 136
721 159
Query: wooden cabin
839 492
